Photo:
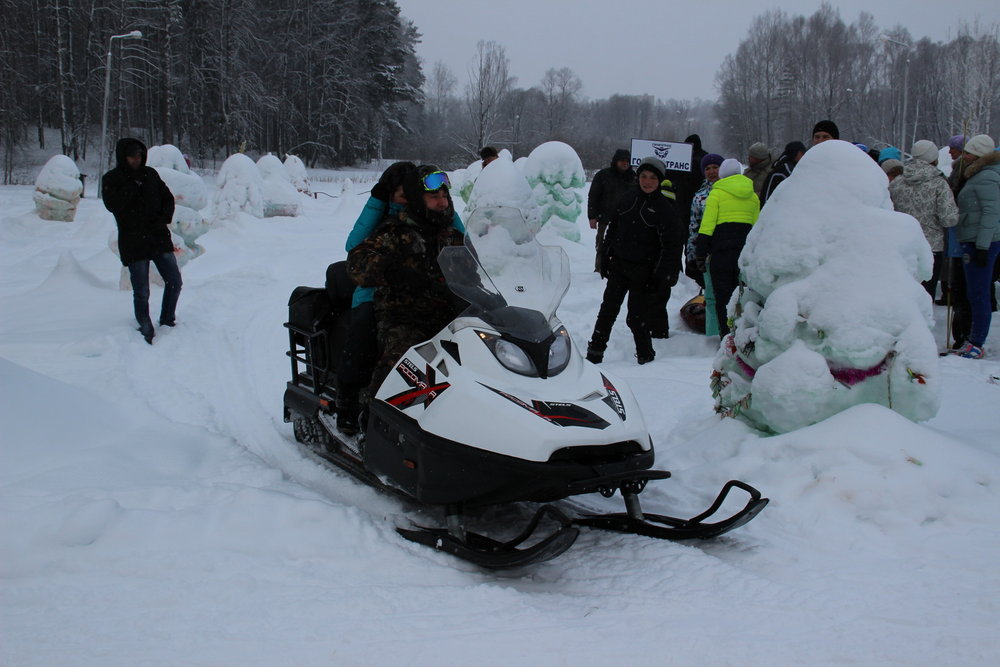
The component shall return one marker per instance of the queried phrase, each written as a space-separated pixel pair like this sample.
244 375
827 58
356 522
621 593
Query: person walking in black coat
641 254
606 190
143 206
782 169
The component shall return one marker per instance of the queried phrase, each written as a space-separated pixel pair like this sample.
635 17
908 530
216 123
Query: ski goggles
435 181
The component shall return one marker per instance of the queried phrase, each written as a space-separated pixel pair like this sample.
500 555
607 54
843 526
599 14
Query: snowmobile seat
339 286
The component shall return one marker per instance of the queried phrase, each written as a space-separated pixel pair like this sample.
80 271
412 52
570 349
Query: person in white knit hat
978 231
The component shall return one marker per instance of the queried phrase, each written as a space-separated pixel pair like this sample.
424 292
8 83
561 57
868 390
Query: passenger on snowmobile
412 302
360 345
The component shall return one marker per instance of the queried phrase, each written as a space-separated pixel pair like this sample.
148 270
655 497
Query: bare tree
489 83
560 88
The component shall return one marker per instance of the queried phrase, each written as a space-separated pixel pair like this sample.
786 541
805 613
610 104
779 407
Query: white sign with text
676 156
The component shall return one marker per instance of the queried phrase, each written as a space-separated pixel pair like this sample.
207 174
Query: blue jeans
978 283
138 271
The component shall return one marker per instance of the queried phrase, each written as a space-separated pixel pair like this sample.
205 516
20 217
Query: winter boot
348 413
970 351
645 357
147 331
595 353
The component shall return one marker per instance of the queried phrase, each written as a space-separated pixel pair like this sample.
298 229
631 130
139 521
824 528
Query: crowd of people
651 225
959 216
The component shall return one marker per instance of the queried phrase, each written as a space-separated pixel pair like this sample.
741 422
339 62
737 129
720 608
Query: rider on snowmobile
412 301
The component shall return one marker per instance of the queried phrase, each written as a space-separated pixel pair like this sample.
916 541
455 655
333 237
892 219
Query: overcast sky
667 49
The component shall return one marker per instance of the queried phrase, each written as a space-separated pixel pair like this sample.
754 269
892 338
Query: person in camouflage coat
923 192
399 259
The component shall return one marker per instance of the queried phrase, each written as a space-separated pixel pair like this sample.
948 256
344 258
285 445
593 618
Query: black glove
701 263
605 266
980 257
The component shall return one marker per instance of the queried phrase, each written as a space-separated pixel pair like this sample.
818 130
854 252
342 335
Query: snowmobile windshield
505 273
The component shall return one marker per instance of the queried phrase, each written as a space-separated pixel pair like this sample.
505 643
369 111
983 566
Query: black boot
347 417
147 331
644 353
595 353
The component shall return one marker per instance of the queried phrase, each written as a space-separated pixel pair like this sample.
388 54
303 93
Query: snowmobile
500 408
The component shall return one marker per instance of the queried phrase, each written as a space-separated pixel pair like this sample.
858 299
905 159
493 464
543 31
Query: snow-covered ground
155 509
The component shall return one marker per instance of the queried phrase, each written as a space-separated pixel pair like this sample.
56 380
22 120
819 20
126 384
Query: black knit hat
827 126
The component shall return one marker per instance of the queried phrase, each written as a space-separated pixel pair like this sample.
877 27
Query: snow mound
280 196
836 478
169 157
190 196
832 313
501 184
240 189
58 189
296 170
556 176
187 187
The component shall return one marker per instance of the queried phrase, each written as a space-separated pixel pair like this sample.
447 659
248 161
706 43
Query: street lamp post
906 90
102 156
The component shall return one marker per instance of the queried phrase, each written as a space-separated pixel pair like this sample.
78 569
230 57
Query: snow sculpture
296 171
240 189
280 196
190 196
464 180
58 189
556 175
831 313
502 184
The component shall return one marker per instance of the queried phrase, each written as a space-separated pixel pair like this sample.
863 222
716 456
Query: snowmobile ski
493 554
662 527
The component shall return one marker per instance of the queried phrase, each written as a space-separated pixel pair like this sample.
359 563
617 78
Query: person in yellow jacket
731 210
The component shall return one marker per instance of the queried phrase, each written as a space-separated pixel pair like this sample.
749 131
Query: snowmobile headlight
559 352
512 357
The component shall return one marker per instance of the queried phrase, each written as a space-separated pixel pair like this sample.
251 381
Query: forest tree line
337 82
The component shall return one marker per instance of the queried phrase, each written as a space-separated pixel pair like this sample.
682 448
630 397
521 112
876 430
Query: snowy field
155 509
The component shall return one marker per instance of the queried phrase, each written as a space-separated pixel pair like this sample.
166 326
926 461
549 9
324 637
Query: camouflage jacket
923 192
399 260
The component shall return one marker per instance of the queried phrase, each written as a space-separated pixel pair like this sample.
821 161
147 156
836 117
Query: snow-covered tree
556 176
831 313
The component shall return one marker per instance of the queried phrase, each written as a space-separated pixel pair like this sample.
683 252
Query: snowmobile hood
124 147
737 185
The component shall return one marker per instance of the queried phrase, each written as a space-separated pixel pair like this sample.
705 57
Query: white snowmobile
499 407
